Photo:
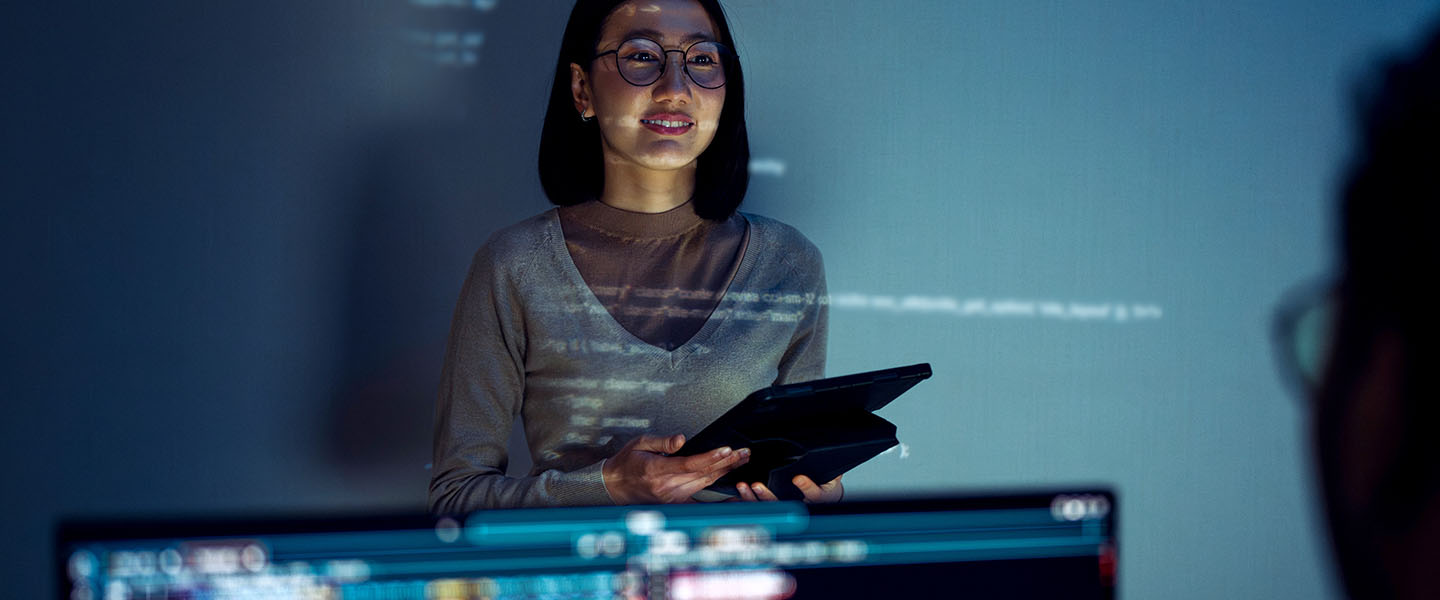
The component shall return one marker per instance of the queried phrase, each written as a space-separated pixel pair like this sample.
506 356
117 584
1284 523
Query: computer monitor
1016 545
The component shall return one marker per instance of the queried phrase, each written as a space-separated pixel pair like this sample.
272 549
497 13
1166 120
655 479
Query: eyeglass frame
1295 306
726 52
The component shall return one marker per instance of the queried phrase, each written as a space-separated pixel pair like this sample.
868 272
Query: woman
644 306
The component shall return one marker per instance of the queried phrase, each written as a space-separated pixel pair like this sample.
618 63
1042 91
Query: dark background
233 234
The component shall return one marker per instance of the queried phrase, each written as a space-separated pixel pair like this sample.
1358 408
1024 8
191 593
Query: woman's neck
628 187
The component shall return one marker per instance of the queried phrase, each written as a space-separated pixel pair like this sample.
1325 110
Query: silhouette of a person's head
1376 426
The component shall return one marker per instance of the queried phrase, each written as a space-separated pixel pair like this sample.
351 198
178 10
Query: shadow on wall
425 197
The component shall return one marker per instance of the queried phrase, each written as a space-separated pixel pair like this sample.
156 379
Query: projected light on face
656 85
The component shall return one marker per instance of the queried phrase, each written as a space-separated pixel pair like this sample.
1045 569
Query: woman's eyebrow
657 35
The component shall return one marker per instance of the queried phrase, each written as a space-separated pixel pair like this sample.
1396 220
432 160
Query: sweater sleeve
482 390
804 359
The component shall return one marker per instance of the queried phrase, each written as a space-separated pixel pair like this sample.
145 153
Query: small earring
585 119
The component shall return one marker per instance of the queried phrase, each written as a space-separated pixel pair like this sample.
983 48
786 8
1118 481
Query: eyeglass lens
1311 340
642 62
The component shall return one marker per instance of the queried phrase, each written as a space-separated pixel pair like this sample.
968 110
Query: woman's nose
673 84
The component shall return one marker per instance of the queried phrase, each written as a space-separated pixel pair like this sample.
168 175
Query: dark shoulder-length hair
571 165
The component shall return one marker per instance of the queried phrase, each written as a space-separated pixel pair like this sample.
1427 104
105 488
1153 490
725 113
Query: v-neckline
595 306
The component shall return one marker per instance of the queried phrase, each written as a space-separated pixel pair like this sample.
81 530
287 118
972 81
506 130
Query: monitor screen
1030 545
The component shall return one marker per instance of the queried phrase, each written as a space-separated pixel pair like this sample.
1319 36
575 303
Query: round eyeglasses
1304 335
642 61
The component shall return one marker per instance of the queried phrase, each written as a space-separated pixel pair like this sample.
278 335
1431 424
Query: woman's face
629 116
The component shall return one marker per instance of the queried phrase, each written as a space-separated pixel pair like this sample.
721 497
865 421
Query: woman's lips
668 124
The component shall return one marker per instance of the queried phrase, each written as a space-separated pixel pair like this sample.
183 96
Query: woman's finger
715 463
812 492
745 493
657 444
691 486
832 491
763 493
705 462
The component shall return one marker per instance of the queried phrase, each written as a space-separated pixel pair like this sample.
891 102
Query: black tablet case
819 428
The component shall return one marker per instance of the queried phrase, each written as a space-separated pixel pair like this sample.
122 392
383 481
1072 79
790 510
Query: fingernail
744 452
725 451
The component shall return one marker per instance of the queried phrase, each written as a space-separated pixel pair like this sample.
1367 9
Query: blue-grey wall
233 236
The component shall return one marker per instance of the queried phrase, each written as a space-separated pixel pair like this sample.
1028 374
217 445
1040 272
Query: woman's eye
702 60
640 56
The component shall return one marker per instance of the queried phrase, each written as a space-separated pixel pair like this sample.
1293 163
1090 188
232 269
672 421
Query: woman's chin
667 161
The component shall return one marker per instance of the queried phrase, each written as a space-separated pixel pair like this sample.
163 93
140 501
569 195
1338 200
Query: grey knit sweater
530 339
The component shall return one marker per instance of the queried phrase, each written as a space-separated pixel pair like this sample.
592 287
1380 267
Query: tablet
819 428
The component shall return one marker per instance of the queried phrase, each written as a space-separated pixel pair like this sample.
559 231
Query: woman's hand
644 473
814 494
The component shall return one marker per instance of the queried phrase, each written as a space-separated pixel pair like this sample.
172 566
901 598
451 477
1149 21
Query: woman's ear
580 90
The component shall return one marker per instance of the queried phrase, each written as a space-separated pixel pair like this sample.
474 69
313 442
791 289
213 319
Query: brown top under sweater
659 275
